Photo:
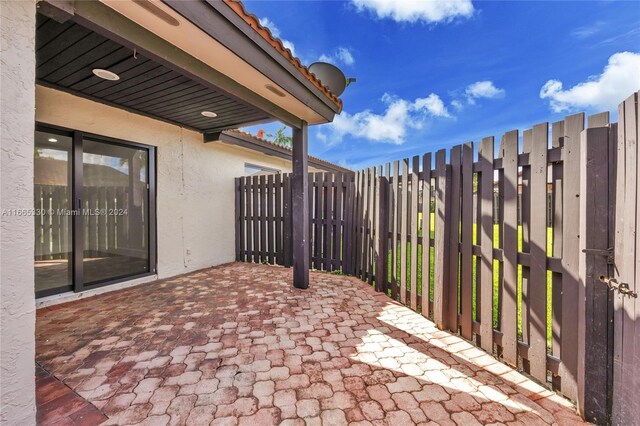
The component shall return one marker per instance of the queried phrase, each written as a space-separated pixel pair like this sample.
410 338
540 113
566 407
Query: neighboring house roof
266 33
247 140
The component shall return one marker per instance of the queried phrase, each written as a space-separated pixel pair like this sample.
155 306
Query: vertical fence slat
338 222
441 250
362 250
271 251
466 258
317 222
238 217
538 250
389 227
278 219
382 222
485 238
370 223
347 253
396 214
355 223
415 170
376 234
593 296
248 220
403 230
509 311
327 219
287 220
426 232
557 140
255 211
620 267
525 223
573 125
263 218
454 237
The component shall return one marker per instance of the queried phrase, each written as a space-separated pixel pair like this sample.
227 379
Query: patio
236 344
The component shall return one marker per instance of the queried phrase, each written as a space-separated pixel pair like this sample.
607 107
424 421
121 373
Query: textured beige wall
195 180
17 313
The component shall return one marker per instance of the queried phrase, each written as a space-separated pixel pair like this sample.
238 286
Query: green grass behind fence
496 275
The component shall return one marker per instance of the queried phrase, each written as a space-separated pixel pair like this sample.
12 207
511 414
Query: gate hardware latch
608 253
622 288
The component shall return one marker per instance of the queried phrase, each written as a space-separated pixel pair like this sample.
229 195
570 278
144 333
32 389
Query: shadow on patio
236 344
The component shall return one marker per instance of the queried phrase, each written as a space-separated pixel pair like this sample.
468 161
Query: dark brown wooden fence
483 239
263 219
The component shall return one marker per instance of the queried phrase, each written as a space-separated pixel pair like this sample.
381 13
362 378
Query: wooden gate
626 317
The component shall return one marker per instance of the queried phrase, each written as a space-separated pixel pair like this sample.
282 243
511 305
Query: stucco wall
17 313
195 186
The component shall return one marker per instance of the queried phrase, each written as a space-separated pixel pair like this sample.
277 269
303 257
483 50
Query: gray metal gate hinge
608 253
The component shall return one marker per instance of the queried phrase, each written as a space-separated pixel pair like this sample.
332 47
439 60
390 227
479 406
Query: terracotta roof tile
268 142
254 22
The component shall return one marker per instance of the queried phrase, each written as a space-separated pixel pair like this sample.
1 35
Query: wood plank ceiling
67 53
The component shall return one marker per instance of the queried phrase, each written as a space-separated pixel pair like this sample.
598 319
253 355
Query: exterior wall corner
17 314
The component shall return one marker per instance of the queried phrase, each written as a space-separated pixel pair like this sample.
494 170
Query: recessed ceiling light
209 114
107 75
275 90
53 140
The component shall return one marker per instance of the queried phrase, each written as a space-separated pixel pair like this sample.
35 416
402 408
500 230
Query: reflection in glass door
52 206
115 201
94 204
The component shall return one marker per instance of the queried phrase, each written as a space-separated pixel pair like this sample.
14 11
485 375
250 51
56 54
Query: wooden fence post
382 233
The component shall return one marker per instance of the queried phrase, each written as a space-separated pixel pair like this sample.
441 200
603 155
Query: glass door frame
77 220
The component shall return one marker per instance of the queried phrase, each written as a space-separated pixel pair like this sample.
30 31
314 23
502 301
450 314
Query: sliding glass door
115 194
108 212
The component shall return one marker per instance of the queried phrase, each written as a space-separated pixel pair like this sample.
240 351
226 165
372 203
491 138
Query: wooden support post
300 207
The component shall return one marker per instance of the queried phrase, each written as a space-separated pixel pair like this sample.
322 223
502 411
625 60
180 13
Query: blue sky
435 74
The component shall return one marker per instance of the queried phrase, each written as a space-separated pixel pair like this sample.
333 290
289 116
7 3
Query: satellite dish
330 76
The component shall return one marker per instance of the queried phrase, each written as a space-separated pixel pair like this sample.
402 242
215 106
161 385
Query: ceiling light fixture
107 75
209 114
53 140
275 90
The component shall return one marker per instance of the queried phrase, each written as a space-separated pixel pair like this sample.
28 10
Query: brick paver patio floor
237 345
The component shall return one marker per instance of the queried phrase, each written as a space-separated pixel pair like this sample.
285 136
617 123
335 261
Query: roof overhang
243 140
212 45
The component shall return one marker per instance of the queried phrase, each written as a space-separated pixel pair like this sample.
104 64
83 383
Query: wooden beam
58 10
300 204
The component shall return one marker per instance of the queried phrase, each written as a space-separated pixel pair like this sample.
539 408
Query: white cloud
275 31
457 104
389 127
427 11
342 55
620 78
482 89
433 105
588 30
